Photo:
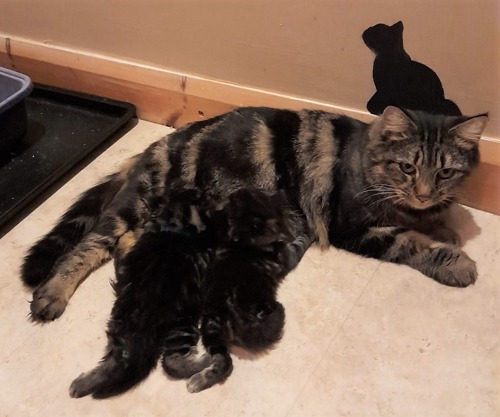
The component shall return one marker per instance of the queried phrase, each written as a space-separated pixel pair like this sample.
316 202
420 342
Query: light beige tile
412 347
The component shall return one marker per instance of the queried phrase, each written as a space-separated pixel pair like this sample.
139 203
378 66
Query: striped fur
344 177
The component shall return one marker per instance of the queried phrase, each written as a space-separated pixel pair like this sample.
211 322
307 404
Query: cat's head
381 37
257 218
417 161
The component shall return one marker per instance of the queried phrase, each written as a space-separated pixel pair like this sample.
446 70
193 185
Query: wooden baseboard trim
172 98
161 95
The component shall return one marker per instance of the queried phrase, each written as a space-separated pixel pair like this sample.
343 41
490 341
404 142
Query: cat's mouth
415 206
421 204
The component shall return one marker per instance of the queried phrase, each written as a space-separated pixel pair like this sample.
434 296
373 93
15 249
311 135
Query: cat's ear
468 132
395 124
398 27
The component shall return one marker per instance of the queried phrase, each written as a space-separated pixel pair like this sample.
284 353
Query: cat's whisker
373 192
379 201
375 188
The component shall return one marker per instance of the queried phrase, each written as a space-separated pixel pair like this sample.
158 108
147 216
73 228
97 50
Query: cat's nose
423 198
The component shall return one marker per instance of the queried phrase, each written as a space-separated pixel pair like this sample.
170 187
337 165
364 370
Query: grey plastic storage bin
14 88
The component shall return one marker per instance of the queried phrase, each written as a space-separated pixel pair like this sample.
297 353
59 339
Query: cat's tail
78 221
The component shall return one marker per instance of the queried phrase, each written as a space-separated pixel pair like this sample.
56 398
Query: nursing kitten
239 292
380 190
174 278
158 303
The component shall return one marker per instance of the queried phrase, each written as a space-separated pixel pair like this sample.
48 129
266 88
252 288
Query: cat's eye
447 173
407 168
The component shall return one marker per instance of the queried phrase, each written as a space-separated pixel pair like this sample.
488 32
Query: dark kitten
158 304
399 80
239 292
240 306
162 293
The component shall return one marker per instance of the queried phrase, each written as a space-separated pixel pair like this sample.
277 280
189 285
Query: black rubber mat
63 128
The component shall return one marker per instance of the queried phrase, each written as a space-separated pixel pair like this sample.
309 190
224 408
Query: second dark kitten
239 291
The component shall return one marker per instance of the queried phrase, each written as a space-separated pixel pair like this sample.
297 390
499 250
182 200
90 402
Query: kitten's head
381 37
257 218
417 161
260 326
181 211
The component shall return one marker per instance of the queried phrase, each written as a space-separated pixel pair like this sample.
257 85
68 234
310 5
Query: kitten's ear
395 124
237 199
469 132
280 197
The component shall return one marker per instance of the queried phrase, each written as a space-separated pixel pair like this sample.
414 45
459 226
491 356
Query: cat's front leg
444 262
441 232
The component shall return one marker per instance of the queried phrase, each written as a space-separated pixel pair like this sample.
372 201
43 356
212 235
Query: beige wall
310 48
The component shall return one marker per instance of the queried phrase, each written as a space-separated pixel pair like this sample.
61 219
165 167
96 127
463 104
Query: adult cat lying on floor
379 190
171 280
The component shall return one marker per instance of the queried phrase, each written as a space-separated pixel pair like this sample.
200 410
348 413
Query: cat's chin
422 211
418 205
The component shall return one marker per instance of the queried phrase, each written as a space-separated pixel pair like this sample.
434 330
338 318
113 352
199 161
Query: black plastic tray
63 128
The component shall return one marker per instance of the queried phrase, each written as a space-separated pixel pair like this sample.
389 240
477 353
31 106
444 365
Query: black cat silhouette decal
399 80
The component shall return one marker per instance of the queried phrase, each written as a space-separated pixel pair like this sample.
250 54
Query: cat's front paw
456 269
47 304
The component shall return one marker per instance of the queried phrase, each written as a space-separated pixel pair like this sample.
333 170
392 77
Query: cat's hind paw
47 305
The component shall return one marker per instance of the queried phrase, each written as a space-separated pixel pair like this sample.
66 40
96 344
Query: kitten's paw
82 386
47 305
184 366
456 270
199 382
216 373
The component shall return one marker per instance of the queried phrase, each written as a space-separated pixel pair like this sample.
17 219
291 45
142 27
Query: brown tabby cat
379 190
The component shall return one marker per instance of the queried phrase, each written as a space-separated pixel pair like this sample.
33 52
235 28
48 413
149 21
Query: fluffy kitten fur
380 190
171 280
239 293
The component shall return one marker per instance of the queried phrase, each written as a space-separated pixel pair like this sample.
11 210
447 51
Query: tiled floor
362 338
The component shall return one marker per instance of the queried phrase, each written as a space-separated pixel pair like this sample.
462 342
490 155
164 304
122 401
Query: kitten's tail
78 221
